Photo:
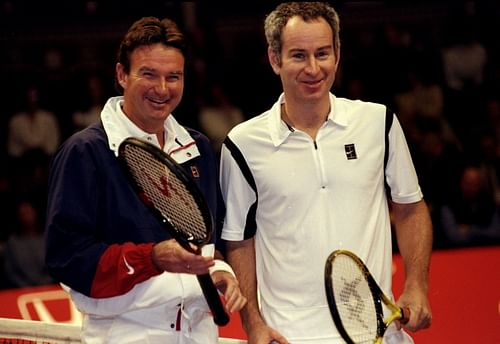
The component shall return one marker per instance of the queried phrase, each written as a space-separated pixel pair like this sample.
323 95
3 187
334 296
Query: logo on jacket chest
195 172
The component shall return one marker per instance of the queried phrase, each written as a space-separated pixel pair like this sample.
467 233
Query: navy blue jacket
92 210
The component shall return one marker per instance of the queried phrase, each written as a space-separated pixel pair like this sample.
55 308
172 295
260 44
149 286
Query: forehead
299 34
156 56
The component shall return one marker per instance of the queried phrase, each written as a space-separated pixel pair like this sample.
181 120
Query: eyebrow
149 69
146 69
325 47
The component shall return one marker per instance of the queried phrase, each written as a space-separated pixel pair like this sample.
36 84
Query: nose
312 66
162 87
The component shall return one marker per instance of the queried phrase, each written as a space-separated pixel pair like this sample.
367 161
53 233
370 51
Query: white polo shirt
314 197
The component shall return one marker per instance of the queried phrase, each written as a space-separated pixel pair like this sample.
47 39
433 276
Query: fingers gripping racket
174 198
355 300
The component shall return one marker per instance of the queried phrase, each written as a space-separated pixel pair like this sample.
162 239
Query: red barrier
464 294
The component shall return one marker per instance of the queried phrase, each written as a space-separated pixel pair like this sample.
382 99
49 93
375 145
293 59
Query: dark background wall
391 50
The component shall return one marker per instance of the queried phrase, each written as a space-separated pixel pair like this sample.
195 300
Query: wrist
220 265
154 260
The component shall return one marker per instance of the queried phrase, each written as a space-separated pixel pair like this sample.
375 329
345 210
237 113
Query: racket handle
213 299
405 315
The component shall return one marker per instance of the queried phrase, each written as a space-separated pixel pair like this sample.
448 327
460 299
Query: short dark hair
149 31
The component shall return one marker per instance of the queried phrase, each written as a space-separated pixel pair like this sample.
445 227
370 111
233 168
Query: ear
274 61
121 76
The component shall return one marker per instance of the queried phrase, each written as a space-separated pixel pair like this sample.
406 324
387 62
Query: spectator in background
34 128
218 115
437 160
464 60
93 103
7 194
33 137
483 144
392 56
492 109
422 97
6 214
490 145
25 249
471 216
485 153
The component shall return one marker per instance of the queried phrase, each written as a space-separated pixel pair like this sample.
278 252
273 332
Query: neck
161 138
307 120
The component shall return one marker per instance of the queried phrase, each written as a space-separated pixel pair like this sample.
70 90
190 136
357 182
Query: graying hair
308 11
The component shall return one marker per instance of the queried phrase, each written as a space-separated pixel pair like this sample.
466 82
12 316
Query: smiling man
305 178
130 279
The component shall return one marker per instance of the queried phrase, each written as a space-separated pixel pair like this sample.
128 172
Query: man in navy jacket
129 278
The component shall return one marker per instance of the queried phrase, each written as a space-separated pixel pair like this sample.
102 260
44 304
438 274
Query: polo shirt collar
338 112
280 131
277 128
178 144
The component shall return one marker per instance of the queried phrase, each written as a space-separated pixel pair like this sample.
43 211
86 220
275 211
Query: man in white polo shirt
307 177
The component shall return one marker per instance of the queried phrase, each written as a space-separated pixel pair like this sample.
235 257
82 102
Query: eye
298 56
323 54
174 77
147 75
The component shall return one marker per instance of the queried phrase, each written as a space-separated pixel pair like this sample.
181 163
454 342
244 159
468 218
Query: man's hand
170 256
420 310
228 285
263 334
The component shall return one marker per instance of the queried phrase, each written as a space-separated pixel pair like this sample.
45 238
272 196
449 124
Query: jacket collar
178 142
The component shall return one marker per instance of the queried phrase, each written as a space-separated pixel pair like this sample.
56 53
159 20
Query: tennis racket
174 198
355 300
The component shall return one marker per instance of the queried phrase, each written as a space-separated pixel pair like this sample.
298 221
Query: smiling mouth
158 101
313 82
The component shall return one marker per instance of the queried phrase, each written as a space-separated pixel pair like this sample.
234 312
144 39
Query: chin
316 95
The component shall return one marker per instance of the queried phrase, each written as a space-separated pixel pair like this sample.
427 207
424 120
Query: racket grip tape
211 294
405 315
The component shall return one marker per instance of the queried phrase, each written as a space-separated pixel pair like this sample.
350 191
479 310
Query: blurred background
435 64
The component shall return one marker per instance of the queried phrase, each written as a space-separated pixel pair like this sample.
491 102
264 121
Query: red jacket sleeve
121 267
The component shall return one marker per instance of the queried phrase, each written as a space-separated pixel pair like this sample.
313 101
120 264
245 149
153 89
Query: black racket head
352 298
167 190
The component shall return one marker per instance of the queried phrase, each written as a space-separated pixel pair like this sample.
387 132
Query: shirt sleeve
401 175
239 198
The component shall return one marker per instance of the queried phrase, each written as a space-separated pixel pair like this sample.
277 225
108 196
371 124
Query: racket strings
353 299
166 192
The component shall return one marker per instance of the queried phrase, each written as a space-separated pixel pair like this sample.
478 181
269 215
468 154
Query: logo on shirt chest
350 151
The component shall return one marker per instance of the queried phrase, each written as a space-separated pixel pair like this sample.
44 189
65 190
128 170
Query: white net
15 331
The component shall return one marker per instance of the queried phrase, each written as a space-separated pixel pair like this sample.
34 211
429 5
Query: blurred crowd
436 65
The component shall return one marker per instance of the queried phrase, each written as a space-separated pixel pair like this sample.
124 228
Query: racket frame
208 288
188 182
377 294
